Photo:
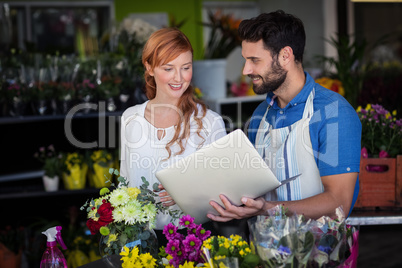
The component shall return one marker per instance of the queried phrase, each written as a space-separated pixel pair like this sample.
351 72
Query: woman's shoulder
138 109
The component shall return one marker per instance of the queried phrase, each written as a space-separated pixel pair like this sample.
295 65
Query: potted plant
52 167
100 162
223 39
75 171
380 185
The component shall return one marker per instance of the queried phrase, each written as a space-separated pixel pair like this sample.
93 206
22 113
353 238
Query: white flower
119 197
139 27
150 211
118 214
132 212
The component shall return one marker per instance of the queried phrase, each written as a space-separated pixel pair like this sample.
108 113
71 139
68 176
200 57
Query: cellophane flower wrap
100 162
75 171
295 241
220 247
125 216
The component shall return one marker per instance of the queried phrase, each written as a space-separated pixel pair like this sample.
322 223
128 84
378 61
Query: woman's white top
143 153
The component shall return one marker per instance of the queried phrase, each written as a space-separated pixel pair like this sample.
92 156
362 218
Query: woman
172 123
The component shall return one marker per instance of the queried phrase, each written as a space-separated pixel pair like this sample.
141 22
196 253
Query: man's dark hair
277 30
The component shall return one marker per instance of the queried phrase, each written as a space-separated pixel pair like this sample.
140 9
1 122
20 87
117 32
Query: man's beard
272 80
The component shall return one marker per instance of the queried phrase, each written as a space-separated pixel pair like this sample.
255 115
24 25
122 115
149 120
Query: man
301 129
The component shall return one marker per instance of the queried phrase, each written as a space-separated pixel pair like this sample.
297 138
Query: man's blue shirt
335 128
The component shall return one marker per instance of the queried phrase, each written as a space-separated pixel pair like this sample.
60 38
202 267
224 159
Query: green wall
179 9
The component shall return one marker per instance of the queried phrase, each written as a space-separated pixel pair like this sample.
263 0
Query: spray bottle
53 258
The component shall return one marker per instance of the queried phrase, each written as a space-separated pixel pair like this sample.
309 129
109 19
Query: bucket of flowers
75 171
381 152
125 218
100 162
283 240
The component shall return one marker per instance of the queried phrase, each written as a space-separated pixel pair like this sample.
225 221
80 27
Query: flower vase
210 77
145 240
18 107
110 105
77 178
377 179
97 177
40 107
51 184
87 101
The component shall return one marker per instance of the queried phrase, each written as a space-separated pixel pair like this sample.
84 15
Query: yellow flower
111 238
394 113
133 192
241 252
388 115
129 257
358 109
147 260
219 257
368 107
187 265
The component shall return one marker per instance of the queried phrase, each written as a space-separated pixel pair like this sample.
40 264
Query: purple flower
399 122
283 249
383 154
364 152
325 249
202 233
170 231
173 247
194 256
191 243
178 258
187 221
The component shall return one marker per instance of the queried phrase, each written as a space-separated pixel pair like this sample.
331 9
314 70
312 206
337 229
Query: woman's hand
166 199
251 207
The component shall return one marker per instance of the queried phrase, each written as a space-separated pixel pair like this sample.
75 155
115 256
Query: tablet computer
230 166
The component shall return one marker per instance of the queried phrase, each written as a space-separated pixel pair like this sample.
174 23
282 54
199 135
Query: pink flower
191 243
187 221
202 233
383 154
173 247
364 152
170 231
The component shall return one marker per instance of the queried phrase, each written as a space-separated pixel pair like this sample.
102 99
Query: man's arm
338 191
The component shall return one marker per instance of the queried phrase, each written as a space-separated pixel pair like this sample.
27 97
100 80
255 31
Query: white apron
288 152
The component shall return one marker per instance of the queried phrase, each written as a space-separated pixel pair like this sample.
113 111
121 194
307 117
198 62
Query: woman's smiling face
173 78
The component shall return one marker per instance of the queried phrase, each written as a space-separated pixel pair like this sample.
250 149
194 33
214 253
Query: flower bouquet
125 217
294 241
221 248
75 171
100 163
381 132
184 248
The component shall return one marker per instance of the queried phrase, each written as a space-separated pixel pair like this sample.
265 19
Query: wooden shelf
20 195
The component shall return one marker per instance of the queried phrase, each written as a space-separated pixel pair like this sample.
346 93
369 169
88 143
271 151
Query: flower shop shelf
375 217
48 194
39 118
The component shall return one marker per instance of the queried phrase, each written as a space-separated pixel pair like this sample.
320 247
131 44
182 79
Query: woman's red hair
162 47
